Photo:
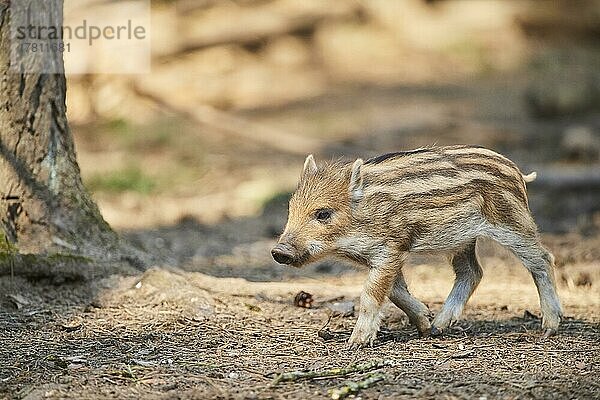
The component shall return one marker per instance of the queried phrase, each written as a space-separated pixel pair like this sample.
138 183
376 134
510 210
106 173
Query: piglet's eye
323 214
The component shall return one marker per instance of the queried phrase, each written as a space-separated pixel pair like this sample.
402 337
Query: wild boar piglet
438 199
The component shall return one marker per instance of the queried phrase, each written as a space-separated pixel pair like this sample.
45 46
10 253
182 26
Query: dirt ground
215 317
184 333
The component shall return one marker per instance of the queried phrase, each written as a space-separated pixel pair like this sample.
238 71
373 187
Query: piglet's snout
283 253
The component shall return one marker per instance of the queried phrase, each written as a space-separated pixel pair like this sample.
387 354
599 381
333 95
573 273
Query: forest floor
226 326
216 317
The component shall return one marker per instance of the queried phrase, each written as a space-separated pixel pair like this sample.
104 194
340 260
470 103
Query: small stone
18 300
580 365
72 324
325 334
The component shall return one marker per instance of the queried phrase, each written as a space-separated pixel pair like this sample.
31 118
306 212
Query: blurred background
197 158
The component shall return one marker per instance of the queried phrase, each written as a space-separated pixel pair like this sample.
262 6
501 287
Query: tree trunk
44 207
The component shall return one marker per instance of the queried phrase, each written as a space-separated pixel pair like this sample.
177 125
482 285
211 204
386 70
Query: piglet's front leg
376 288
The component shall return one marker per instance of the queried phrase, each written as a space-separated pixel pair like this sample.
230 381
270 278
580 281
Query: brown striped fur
432 199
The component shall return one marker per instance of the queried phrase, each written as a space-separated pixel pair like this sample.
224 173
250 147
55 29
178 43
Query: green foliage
179 154
142 138
472 53
119 126
128 179
7 247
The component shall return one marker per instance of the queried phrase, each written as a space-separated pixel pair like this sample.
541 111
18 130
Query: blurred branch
256 24
568 178
230 125
578 19
187 6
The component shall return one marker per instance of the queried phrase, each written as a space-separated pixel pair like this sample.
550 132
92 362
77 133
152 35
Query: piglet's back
444 183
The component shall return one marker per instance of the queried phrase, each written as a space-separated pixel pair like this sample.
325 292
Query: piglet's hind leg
540 264
468 275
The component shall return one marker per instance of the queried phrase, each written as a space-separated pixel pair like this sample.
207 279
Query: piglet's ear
310 166
356 181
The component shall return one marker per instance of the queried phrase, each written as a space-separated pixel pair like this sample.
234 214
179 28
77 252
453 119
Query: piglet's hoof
423 325
360 339
354 346
548 333
435 331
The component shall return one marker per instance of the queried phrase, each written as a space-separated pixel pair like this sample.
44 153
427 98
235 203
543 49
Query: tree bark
44 207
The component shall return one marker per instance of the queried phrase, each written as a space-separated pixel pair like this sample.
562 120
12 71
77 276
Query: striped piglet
438 199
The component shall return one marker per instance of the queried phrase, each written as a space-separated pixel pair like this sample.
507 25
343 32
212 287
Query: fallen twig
354 387
228 124
333 372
